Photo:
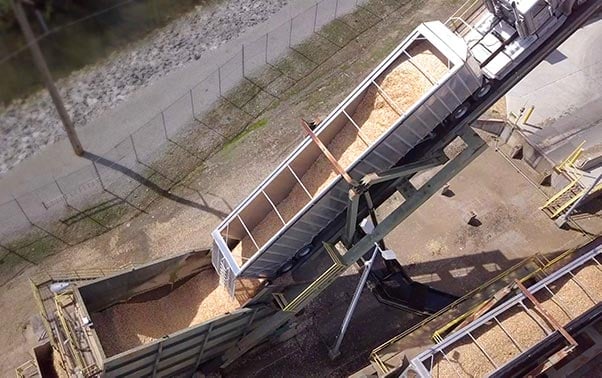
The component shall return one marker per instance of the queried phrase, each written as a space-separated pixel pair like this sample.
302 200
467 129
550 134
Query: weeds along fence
153 161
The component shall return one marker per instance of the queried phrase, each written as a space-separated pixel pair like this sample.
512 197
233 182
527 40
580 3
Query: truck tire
461 111
483 90
303 252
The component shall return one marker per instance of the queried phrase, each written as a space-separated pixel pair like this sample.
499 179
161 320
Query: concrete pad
566 91
445 252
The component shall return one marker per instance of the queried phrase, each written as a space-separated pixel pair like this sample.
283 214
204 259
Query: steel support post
376 178
475 145
351 218
334 351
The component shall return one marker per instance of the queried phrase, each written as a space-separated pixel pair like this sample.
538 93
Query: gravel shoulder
31 124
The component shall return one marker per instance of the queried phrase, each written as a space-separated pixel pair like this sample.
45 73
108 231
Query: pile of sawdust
404 84
125 326
569 301
58 365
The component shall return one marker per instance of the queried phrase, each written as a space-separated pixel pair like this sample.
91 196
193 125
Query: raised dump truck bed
394 109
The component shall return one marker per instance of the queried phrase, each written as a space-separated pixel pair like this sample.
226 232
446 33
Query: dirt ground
512 226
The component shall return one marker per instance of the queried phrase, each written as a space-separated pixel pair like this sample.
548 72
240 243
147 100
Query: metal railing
151 162
542 267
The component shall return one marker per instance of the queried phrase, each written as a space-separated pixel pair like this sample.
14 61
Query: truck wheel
484 90
303 252
286 267
461 111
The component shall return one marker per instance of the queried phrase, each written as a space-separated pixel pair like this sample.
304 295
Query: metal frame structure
415 197
186 349
412 127
420 364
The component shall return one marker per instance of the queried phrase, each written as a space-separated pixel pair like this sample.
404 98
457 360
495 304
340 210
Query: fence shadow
129 178
151 185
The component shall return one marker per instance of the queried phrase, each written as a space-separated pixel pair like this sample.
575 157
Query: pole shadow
151 185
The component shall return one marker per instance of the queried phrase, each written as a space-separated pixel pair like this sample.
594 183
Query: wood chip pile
569 301
125 326
57 364
404 84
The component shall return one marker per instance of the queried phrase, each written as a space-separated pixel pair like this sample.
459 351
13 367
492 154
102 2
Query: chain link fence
152 161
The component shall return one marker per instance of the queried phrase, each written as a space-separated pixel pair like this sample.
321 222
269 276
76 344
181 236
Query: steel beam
475 145
404 170
335 352
351 217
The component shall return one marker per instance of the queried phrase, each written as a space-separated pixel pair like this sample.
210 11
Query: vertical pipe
334 352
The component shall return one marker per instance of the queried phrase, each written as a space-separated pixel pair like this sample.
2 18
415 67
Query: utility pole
38 59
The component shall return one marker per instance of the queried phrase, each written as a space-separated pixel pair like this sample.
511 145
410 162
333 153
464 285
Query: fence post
191 103
266 47
219 80
243 59
315 18
290 33
164 127
98 175
134 148
23 211
61 191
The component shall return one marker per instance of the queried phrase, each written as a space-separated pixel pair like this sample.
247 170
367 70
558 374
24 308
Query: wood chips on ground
569 293
125 326
57 365
404 84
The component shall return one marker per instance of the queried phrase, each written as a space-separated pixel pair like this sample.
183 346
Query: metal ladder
562 200
28 370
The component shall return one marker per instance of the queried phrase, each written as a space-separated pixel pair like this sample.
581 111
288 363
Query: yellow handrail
568 187
570 160
543 266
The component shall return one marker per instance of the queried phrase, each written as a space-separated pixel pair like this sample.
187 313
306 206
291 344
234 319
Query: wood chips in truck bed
404 84
569 301
125 326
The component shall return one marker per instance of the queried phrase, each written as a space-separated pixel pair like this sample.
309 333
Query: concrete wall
106 292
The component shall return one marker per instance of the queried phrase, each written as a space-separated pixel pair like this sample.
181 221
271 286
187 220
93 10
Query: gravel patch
29 125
